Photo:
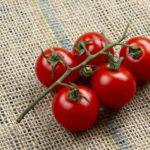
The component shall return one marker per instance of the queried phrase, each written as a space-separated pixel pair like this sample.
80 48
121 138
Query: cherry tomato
73 115
114 88
94 42
43 68
139 66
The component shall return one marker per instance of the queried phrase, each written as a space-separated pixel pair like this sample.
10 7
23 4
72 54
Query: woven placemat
25 24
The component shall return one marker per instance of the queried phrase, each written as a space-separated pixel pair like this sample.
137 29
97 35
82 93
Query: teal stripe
54 24
115 129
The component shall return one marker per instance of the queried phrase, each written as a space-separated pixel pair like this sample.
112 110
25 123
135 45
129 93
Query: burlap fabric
25 24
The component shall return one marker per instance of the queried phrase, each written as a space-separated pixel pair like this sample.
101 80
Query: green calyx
87 71
135 52
114 63
74 94
81 47
53 59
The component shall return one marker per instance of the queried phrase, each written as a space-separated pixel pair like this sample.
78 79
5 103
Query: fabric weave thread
24 25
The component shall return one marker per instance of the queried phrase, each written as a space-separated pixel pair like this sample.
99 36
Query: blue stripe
54 24
115 129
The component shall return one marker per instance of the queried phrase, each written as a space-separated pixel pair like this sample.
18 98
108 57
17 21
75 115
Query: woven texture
26 24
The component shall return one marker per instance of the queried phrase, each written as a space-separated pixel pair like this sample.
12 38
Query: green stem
66 85
68 71
124 34
127 45
87 52
40 96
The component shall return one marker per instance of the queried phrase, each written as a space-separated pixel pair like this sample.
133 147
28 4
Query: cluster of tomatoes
76 106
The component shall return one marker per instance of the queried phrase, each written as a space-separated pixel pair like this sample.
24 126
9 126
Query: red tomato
114 88
94 43
44 71
140 66
76 116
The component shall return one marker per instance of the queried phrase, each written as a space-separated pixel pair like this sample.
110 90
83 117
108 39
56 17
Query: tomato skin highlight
44 72
114 88
140 67
76 116
96 43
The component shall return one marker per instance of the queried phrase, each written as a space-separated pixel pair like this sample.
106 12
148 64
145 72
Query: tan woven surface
24 24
